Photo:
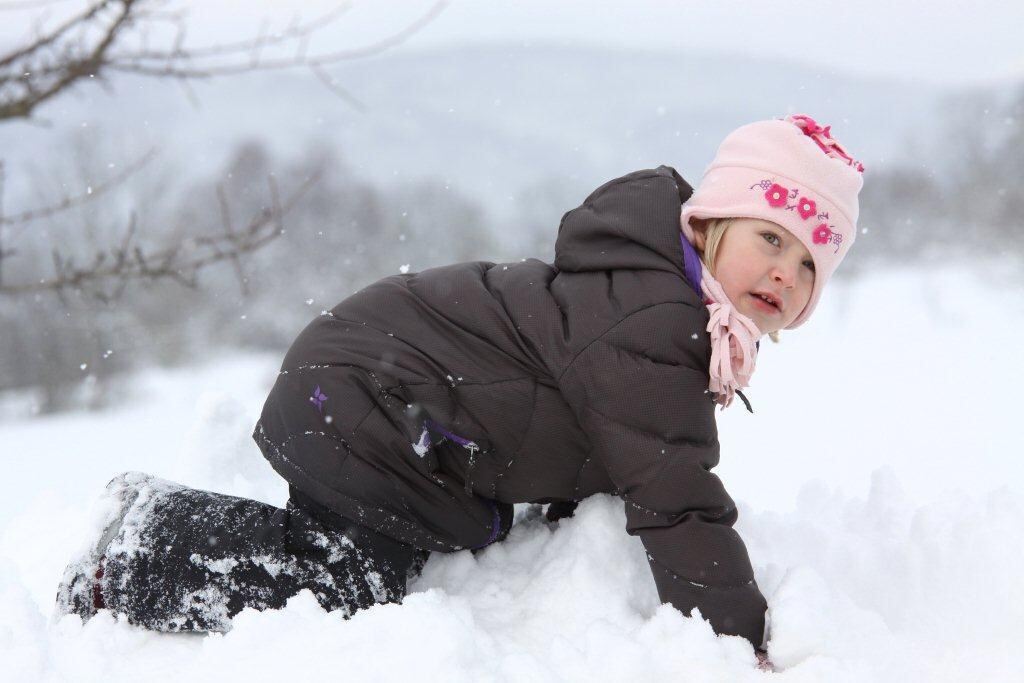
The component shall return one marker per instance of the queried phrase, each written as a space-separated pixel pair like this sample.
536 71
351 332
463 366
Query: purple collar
691 264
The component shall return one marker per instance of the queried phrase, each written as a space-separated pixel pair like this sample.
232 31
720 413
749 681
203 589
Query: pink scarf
733 338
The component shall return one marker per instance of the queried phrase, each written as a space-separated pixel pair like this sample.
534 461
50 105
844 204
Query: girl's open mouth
764 305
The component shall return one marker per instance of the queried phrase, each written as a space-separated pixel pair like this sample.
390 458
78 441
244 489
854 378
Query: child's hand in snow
561 509
763 663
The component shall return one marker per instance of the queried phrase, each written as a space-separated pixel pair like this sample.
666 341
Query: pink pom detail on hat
791 172
823 138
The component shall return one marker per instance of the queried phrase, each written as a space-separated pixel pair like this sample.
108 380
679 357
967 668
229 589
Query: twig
74 200
229 230
70 69
130 262
333 86
130 63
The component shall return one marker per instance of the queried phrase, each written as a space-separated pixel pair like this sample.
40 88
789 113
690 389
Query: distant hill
507 124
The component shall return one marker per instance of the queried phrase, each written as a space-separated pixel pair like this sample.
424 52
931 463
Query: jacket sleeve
640 393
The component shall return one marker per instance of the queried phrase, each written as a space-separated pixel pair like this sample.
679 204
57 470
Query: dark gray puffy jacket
426 403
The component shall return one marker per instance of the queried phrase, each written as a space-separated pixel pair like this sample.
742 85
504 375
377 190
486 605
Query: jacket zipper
470 446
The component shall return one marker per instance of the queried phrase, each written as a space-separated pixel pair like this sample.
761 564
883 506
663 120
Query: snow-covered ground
881 493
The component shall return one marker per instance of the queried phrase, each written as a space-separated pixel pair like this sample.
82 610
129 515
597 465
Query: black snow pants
190 560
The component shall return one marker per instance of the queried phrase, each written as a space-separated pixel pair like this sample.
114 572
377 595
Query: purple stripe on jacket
495 525
462 441
691 264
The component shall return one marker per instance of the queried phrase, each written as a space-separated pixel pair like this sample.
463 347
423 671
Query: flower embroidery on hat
806 208
776 195
822 234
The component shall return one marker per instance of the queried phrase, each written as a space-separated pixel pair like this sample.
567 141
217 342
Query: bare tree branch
70 201
229 230
332 85
292 32
54 62
136 62
180 262
108 37
70 68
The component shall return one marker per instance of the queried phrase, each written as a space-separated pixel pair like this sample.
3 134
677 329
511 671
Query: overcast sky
939 41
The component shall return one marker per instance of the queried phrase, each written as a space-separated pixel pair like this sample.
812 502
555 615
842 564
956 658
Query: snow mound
858 589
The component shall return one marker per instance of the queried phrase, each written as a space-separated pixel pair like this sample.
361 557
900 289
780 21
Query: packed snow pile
880 498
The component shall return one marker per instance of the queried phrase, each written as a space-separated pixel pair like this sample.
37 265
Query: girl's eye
774 239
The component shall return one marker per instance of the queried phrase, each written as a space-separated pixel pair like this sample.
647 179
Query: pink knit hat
790 172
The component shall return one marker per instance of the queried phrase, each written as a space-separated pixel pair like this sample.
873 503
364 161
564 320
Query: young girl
414 414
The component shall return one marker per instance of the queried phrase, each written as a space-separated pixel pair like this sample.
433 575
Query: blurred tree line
343 234
970 206
141 268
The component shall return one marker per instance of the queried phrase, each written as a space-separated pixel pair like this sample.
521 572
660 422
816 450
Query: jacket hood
631 222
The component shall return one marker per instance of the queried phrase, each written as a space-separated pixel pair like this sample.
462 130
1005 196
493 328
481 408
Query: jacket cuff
501 524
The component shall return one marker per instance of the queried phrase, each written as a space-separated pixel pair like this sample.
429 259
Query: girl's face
758 257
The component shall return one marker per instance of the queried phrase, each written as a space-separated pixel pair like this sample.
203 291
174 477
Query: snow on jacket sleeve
641 398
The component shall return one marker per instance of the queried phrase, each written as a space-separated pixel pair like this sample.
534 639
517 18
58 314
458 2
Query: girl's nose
784 274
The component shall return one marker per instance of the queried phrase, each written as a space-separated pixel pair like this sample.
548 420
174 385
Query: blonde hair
714 229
